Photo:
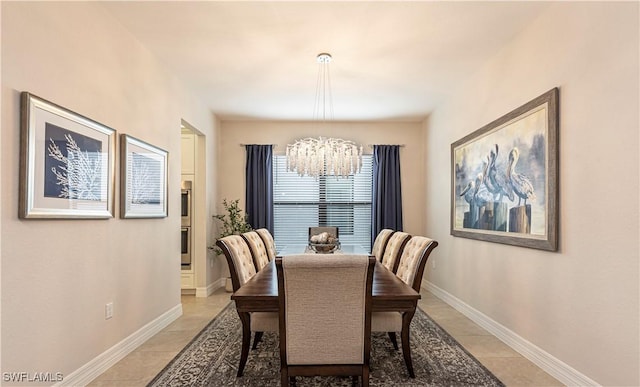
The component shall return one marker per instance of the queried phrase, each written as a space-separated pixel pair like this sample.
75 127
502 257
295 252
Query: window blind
303 202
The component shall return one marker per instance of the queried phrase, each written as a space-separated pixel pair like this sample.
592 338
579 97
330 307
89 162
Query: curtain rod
369 145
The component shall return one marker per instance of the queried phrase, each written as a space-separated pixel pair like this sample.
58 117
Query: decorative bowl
324 248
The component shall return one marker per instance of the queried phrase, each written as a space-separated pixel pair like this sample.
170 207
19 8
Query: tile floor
140 366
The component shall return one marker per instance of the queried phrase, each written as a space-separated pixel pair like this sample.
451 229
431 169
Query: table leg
245 317
406 348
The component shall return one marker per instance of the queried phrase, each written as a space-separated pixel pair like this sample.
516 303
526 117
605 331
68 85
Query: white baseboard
550 364
94 368
207 291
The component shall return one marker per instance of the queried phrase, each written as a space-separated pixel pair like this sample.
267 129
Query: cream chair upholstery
413 259
258 249
239 259
242 269
410 270
325 312
393 250
380 243
269 243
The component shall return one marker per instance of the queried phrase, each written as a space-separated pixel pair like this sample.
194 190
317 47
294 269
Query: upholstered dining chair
381 242
410 270
393 250
258 249
242 269
269 243
325 315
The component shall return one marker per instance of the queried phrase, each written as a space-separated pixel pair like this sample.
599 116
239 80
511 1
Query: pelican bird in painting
521 184
473 192
482 195
495 179
469 192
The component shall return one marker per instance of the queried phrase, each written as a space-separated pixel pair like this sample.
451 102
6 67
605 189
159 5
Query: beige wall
579 304
232 156
57 275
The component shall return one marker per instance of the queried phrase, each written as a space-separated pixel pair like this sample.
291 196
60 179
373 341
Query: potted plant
232 222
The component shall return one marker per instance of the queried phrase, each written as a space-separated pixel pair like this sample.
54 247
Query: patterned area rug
211 359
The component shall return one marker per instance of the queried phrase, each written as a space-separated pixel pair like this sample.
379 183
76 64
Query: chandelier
324 156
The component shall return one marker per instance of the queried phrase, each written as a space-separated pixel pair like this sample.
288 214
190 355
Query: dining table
389 294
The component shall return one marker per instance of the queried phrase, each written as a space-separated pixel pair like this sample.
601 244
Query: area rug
211 359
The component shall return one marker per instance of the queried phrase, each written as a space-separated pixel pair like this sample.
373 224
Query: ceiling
392 60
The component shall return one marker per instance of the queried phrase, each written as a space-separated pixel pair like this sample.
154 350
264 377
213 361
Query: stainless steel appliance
185 242
185 234
185 203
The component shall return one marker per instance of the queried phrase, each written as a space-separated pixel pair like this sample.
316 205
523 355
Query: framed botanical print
143 179
67 163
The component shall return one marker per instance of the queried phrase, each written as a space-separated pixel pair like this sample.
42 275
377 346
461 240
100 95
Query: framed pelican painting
504 181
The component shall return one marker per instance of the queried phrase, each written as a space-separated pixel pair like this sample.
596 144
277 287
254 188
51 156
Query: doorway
192 227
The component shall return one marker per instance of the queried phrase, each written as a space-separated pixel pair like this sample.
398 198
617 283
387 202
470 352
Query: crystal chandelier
324 156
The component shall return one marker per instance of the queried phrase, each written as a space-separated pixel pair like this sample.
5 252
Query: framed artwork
504 181
143 179
67 163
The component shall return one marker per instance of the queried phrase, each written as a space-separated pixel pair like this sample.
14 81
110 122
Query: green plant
233 222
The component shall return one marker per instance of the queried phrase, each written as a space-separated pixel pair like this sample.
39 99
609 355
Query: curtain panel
259 186
386 203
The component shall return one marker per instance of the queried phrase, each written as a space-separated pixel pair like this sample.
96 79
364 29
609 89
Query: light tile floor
140 366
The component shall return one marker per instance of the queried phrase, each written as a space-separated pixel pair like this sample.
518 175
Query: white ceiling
392 60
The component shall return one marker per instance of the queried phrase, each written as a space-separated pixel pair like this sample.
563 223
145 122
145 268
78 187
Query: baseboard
550 364
220 283
207 291
94 368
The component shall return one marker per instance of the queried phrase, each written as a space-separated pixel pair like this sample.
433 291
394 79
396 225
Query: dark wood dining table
389 294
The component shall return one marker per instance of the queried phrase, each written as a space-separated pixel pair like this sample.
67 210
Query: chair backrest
381 242
325 309
239 259
269 243
393 250
258 249
413 260
333 231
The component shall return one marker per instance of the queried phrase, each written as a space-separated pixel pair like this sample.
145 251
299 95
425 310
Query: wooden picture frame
504 179
67 163
143 179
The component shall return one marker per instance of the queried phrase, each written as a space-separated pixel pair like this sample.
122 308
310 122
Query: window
303 202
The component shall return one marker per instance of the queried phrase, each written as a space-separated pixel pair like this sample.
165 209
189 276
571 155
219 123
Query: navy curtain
259 183
386 201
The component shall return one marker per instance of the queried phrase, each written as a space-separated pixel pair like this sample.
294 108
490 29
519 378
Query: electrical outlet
108 311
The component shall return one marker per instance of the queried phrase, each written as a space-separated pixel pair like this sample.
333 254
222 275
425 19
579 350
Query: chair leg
246 341
394 341
256 339
406 348
354 381
365 377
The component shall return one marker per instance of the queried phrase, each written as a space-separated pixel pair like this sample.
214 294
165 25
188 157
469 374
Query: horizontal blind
303 202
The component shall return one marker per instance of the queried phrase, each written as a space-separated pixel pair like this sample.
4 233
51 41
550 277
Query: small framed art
143 179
